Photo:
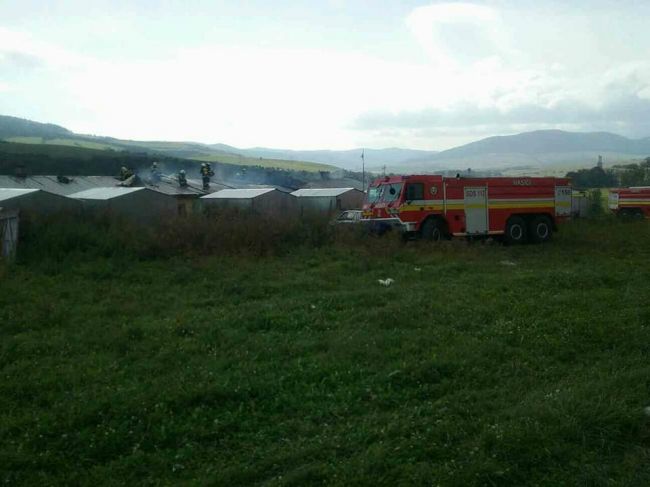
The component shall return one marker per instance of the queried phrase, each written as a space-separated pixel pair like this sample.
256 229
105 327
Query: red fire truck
631 202
520 209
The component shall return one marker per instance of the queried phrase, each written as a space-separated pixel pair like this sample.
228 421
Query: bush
596 203
62 236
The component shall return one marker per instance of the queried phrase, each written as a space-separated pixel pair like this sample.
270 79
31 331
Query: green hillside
33 133
258 161
481 365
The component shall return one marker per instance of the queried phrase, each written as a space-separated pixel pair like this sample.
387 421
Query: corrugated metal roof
167 185
239 193
337 183
52 185
323 192
9 193
104 193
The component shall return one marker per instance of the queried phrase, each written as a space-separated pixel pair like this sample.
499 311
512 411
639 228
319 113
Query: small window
415 191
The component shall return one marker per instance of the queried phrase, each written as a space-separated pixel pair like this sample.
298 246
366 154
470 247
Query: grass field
187 150
53 151
271 163
480 365
84 144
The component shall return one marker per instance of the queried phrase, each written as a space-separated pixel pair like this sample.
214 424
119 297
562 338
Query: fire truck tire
541 229
516 231
432 230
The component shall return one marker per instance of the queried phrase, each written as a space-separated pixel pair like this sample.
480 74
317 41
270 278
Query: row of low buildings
47 194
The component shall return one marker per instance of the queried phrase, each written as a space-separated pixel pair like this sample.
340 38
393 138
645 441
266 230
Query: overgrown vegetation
637 174
480 365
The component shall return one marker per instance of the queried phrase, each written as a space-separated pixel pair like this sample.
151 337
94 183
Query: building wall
9 221
276 204
42 203
185 205
351 200
316 206
141 206
273 204
216 204
329 205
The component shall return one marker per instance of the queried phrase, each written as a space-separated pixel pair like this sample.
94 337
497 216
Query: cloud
12 60
629 109
505 70
454 34
468 70
21 50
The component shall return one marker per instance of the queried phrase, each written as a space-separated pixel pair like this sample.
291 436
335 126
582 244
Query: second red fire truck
521 209
630 202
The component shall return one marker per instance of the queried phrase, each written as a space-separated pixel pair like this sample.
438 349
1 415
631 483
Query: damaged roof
169 185
239 193
104 193
67 185
337 183
323 192
52 184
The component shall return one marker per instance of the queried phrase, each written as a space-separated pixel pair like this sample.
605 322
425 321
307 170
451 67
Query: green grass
187 150
84 144
226 158
45 149
487 366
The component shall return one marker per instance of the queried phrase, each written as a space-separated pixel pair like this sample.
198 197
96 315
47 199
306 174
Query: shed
263 201
325 201
140 204
36 201
8 232
185 197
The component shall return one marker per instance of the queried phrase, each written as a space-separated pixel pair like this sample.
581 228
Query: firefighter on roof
182 180
155 173
205 175
125 173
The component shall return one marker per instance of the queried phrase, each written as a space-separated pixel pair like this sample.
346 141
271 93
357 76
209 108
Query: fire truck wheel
432 230
541 229
516 230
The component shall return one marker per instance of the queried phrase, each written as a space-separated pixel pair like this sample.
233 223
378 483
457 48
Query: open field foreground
480 365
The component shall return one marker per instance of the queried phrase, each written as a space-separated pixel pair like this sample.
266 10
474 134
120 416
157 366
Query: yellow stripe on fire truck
438 205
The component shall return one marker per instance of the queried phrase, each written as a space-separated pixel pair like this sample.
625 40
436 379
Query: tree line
72 161
637 174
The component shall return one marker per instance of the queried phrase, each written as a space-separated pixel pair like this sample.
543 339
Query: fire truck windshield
384 192
374 194
390 192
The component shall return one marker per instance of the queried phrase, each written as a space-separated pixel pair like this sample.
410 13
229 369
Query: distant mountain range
532 151
537 149
348 159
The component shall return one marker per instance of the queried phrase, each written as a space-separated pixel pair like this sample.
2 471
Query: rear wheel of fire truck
515 231
432 230
541 229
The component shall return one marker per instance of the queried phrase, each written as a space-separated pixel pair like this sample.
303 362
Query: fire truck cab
631 202
521 209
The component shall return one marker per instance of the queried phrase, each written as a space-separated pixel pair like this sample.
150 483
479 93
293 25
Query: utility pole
363 169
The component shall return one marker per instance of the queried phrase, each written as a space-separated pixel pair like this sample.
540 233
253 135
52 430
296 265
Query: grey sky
331 74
